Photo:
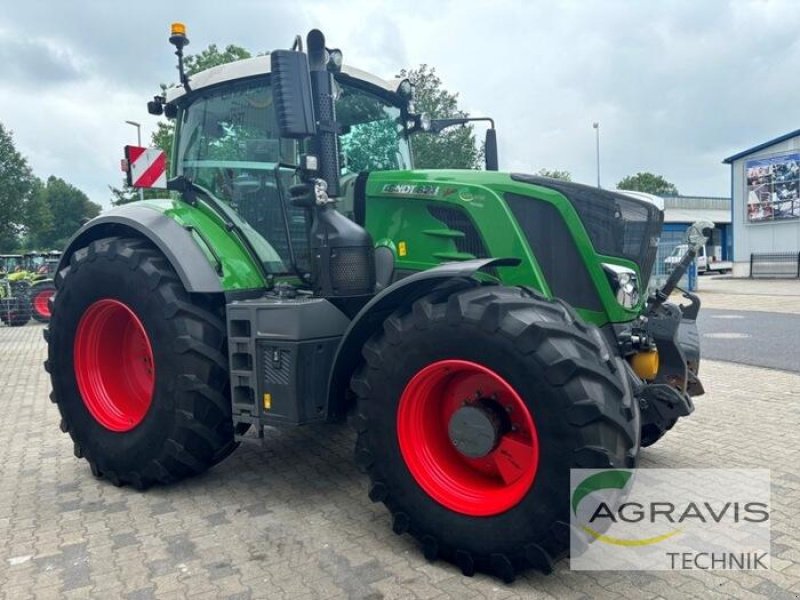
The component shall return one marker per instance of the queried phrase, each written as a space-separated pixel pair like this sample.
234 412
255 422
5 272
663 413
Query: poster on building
773 188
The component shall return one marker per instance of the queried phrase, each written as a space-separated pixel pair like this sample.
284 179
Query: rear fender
178 231
370 318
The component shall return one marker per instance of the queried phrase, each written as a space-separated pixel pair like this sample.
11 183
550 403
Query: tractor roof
260 65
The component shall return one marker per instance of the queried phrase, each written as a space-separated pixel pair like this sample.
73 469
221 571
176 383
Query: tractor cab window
373 137
229 144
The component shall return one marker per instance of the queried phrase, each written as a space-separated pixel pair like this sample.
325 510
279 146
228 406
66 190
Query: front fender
371 317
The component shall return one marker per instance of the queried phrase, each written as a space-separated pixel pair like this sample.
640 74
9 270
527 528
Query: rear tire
15 311
163 413
569 384
40 296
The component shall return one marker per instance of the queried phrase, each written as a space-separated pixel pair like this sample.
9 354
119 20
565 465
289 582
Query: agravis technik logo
670 519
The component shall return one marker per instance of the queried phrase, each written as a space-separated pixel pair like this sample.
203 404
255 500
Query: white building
765 186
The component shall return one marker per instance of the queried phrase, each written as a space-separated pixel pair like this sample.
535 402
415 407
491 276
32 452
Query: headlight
625 284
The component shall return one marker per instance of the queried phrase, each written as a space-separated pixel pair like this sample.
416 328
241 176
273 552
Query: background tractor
14 291
41 267
26 286
485 332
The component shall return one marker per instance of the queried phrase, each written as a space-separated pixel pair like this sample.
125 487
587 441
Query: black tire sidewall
103 278
546 502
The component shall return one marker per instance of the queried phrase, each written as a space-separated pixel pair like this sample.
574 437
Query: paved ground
772 295
754 338
291 519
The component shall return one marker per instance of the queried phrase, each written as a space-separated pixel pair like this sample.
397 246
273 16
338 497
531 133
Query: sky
676 86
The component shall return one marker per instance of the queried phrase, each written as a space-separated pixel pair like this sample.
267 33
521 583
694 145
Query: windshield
680 250
228 143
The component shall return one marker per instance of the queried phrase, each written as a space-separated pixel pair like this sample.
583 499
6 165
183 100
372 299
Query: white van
705 262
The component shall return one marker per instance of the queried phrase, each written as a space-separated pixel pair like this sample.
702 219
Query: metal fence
661 271
775 264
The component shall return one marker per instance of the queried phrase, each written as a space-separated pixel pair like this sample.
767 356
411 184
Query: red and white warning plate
147 167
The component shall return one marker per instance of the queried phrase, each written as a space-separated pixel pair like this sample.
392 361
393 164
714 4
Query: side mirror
696 235
490 145
490 150
291 91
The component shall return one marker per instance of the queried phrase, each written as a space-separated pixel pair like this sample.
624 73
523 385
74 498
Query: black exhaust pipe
326 145
342 262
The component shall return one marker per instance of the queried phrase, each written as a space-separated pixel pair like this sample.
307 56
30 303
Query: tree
555 174
649 183
70 208
38 218
17 187
455 147
25 214
212 57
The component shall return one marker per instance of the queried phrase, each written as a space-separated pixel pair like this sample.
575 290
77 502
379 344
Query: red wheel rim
483 486
114 365
40 302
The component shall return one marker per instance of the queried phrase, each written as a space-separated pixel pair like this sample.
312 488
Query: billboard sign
773 188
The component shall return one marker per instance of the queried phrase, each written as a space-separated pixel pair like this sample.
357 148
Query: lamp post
139 143
596 127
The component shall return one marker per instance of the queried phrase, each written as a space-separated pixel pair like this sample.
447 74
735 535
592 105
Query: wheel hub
467 437
114 365
475 429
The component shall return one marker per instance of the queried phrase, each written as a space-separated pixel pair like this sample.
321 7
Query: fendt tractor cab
485 332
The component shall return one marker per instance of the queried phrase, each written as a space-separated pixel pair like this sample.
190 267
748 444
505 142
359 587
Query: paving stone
291 519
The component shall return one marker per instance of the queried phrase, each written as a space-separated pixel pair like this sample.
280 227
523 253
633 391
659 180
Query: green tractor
484 332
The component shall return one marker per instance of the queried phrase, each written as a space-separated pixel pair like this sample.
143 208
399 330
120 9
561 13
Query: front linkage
666 385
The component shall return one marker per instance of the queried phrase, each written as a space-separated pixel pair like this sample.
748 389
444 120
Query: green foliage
555 174
649 183
455 147
162 137
38 219
212 57
17 188
70 209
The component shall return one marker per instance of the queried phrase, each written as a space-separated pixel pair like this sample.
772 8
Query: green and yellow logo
618 482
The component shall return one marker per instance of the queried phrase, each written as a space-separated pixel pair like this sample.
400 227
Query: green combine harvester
485 332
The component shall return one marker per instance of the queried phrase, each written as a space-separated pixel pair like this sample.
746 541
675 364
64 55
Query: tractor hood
625 225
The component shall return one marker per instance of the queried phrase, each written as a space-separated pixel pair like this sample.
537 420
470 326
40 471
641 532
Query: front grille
458 220
556 253
617 225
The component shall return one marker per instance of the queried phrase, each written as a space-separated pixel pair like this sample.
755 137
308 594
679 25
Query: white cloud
676 86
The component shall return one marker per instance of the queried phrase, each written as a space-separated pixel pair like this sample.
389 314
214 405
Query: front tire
498 364
138 366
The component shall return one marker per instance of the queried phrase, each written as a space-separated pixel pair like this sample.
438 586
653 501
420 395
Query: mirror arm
438 125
